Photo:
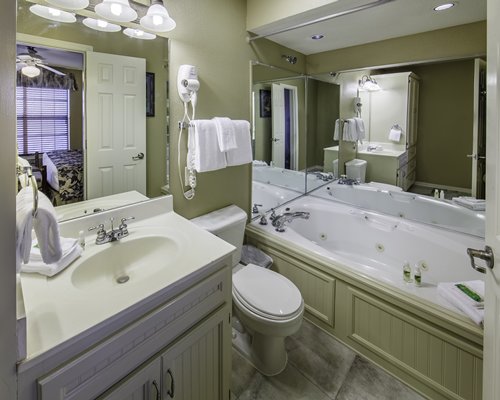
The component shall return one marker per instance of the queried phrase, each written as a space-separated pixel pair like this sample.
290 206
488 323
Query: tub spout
280 221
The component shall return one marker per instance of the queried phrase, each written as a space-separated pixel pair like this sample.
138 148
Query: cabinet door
197 366
412 113
143 384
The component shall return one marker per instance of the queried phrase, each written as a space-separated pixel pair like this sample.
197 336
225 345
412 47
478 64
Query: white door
491 365
278 115
479 130
116 124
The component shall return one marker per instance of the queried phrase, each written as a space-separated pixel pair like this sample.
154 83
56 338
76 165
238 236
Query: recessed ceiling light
445 6
317 36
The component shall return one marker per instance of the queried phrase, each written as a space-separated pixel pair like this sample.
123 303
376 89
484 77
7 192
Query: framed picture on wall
150 94
265 103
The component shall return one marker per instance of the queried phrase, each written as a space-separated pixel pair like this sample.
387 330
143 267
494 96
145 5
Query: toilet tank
228 223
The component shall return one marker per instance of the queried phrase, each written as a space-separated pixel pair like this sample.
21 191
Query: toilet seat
267 293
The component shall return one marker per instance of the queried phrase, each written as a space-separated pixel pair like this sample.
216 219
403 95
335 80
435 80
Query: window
42 119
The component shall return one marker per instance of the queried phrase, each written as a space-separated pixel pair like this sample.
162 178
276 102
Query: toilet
267 307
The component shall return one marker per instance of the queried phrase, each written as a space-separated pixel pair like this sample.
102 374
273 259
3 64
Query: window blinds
42 119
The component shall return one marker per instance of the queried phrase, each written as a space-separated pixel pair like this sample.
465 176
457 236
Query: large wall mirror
293 121
93 122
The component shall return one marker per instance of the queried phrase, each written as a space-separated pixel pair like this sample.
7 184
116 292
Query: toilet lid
266 292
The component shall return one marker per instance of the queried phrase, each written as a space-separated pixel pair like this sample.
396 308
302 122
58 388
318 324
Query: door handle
170 392
485 255
139 156
275 140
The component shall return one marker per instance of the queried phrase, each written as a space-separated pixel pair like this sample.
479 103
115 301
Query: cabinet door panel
141 385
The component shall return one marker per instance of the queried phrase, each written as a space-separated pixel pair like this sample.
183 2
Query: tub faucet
344 180
113 234
280 221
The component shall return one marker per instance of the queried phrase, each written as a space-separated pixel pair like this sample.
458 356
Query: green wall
155 53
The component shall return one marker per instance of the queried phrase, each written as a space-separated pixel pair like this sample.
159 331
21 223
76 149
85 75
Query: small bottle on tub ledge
406 272
417 276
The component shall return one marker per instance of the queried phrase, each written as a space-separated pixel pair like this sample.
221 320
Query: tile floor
319 368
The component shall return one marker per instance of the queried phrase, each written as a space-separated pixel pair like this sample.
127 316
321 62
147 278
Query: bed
65 175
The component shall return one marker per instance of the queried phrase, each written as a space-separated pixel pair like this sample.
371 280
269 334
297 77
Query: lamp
101 25
157 18
53 14
369 83
70 4
116 10
138 34
30 71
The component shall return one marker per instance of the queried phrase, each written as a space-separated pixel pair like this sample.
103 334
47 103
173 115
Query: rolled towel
71 250
47 230
24 225
225 133
243 152
469 303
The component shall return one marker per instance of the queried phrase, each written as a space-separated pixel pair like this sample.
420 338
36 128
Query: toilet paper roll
191 84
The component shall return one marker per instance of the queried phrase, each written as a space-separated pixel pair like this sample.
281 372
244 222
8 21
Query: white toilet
268 307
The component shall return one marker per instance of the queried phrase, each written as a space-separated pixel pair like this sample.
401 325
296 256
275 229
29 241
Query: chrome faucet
112 235
324 176
280 221
344 180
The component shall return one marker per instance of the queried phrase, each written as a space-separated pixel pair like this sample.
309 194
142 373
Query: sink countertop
58 310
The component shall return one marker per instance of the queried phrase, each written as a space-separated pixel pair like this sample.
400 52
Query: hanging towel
349 131
472 308
225 133
203 147
24 225
336 131
21 164
47 230
360 129
243 152
395 133
71 250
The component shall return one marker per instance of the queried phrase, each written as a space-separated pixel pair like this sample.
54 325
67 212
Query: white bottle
441 194
436 194
406 272
417 276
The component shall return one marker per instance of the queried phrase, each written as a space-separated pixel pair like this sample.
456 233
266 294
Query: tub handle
485 255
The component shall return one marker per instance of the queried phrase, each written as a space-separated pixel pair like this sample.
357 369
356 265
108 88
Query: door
278 115
116 124
478 155
491 365
143 384
197 367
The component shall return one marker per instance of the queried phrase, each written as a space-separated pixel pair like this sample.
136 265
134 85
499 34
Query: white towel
360 129
71 250
24 225
225 133
336 131
21 164
470 202
47 230
203 147
243 152
474 310
349 132
395 134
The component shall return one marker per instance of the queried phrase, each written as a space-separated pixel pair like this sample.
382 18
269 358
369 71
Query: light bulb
157 20
101 23
116 9
54 12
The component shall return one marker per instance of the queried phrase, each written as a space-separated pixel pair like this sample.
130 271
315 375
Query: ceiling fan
31 62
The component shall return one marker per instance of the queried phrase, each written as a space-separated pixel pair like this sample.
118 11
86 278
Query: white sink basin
125 262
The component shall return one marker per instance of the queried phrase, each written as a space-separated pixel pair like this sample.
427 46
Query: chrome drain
122 279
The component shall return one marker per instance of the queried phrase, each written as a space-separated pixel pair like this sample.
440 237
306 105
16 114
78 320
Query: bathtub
268 196
286 178
410 206
376 246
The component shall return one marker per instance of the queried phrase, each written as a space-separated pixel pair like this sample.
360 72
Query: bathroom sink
125 263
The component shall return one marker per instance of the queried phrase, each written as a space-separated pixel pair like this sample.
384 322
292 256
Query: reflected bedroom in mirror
88 139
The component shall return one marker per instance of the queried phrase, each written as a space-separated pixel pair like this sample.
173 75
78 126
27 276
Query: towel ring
34 186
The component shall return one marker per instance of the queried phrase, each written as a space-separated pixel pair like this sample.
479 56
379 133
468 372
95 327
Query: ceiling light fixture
157 18
116 10
317 36
138 34
368 83
30 71
52 13
290 59
101 25
445 6
70 4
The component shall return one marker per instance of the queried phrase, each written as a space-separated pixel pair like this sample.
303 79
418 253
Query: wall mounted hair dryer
187 83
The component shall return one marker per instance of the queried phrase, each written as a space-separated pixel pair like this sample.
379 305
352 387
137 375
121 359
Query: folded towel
470 202
24 225
360 129
472 308
336 131
243 152
47 230
203 147
395 134
71 250
225 133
